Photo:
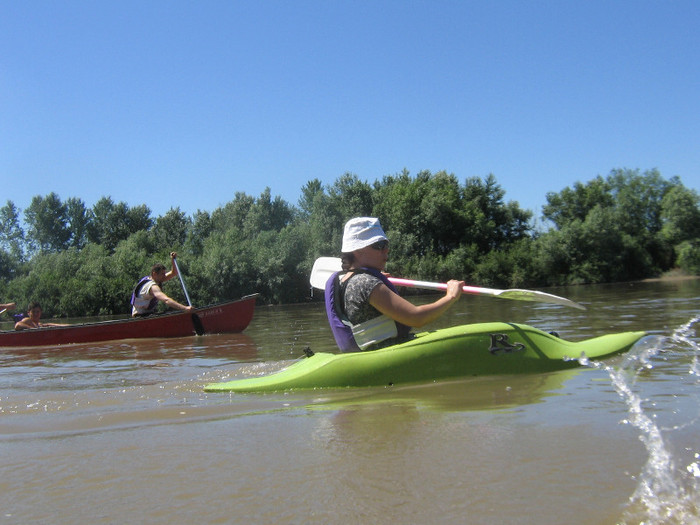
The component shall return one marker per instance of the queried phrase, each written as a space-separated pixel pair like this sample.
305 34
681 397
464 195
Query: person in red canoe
147 293
33 319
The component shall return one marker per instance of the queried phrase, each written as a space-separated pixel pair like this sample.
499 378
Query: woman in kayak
365 302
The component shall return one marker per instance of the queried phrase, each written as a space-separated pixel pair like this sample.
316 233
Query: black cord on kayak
308 352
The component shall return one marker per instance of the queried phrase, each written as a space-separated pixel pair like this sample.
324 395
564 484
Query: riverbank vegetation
80 261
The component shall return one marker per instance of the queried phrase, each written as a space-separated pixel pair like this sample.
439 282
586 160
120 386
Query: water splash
665 494
683 336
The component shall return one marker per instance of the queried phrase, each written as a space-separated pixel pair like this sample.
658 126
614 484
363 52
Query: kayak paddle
324 267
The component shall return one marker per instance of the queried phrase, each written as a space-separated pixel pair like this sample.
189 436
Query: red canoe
219 318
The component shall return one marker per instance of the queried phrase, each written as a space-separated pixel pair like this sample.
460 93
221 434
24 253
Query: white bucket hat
361 232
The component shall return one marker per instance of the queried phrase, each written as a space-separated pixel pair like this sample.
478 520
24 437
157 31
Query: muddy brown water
122 432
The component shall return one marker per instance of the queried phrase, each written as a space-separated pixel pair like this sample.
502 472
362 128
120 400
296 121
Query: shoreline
671 276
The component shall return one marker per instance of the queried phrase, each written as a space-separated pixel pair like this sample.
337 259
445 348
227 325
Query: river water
122 432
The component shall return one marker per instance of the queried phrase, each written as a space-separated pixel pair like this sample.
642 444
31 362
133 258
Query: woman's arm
405 312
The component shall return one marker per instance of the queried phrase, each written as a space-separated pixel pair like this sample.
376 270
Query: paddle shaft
182 281
324 267
196 321
441 286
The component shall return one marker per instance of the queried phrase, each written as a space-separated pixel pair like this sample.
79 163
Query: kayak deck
460 351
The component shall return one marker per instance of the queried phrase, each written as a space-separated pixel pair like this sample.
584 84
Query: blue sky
185 103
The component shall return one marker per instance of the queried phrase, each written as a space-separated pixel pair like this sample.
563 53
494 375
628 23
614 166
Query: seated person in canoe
33 319
363 307
147 293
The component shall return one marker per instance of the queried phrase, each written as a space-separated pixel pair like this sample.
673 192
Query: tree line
81 261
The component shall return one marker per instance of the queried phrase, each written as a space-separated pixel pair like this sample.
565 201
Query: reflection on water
232 346
478 393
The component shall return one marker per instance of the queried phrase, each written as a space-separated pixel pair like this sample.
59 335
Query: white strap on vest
374 331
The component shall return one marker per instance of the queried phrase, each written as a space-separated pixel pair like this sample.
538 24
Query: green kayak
460 351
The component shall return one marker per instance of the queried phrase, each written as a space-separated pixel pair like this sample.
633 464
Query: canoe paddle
196 321
324 267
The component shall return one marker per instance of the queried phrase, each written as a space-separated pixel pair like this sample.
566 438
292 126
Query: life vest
341 326
141 305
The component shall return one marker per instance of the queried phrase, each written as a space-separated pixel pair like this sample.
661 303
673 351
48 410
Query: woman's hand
454 289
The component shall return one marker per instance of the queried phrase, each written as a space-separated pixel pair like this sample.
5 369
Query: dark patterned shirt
357 291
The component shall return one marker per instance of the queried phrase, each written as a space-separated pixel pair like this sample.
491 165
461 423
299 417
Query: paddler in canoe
147 292
364 309
33 319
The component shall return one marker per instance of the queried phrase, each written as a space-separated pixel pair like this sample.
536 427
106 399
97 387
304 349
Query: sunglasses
380 245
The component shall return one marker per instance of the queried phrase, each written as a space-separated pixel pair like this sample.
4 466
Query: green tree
351 197
441 210
226 269
494 224
232 215
638 197
79 218
398 201
309 192
8 265
112 222
680 213
200 228
430 218
622 227
572 204
320 222
170 230
44 282
47 218
11 232
689 257
267 214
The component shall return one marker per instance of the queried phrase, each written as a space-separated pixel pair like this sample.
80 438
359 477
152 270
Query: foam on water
665 493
